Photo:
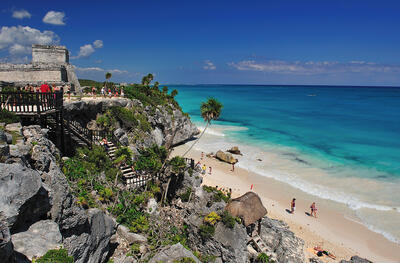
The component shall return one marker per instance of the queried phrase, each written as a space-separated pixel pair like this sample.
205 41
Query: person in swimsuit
313 210
293 205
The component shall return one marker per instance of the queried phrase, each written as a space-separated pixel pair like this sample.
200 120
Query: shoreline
332 230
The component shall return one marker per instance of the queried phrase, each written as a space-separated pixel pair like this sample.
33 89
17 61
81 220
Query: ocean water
337 143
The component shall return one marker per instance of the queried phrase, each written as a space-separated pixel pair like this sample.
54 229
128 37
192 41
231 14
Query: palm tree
149 78
210 110
108 76
144 81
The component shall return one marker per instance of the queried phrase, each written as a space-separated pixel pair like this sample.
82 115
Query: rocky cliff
39 212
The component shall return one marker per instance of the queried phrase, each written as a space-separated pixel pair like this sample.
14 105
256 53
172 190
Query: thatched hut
248 207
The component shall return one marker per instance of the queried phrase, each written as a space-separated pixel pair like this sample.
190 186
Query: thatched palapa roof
248 207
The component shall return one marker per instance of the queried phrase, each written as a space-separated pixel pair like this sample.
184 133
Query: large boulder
234 150
280 240
14 127
91 243
40 237
24 200
6 246
225 157
172 253
130 237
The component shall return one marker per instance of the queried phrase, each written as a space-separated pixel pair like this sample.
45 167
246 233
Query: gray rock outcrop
172 253
6 246
280 240
356 259
40 237
92 244
130 237
24 200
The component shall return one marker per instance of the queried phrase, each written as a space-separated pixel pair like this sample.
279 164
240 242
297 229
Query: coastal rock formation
34 189
225 157
40 237
280 240
234 150
172 253
356 259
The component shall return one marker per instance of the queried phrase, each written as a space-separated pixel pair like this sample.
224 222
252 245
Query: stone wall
31 74
49 54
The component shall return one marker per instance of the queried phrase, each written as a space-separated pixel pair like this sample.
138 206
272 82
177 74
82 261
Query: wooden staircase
131 178
259 243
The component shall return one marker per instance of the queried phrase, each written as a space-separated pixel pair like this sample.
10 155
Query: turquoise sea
351 134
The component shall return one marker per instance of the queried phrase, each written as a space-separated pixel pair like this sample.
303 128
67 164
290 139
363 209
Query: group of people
313 208
204 167
46 88
109 92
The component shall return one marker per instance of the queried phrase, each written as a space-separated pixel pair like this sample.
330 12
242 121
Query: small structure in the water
249 208
49 64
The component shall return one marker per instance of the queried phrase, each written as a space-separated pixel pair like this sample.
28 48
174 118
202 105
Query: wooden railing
31 102
90 137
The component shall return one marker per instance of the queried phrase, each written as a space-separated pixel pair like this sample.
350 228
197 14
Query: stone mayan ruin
49 64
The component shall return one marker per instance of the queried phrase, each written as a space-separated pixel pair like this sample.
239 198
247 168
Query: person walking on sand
293 205
204 169
233 167
313 210
202 156
210 170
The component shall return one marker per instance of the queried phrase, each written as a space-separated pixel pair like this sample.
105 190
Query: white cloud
21 14
54 18
85 51
209 65
97 69
88 49
312 67
98 43
19 39
18 49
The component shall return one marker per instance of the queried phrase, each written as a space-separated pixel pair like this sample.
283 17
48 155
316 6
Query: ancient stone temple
49 64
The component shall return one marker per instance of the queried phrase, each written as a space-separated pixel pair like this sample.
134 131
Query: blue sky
347 42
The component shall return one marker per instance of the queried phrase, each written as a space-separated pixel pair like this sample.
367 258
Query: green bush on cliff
228 219
177 163
262 258
206 231
151 159
55 256
8 117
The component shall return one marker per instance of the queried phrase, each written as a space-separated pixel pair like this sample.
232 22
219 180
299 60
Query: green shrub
151 159
184 260
228 219
206 231
8 117
177 163
56 256
212 218
262 258
186 195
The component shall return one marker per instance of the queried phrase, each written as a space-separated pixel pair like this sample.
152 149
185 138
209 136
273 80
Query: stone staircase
262 248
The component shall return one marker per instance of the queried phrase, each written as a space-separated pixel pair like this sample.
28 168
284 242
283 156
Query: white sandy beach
331 230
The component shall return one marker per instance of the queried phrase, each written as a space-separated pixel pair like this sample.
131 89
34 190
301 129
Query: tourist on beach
202 156
94 92
233 167
313 210
204 168
293 205
210 170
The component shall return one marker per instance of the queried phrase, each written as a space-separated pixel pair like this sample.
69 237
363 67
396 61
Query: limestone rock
14 127
175 252
356 259
280 240
234 150
6 246
130 237
315 260
225 157
91 243
24 200
4 151
40 237
152 206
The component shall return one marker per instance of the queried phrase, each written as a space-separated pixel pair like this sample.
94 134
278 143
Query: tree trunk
196 140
